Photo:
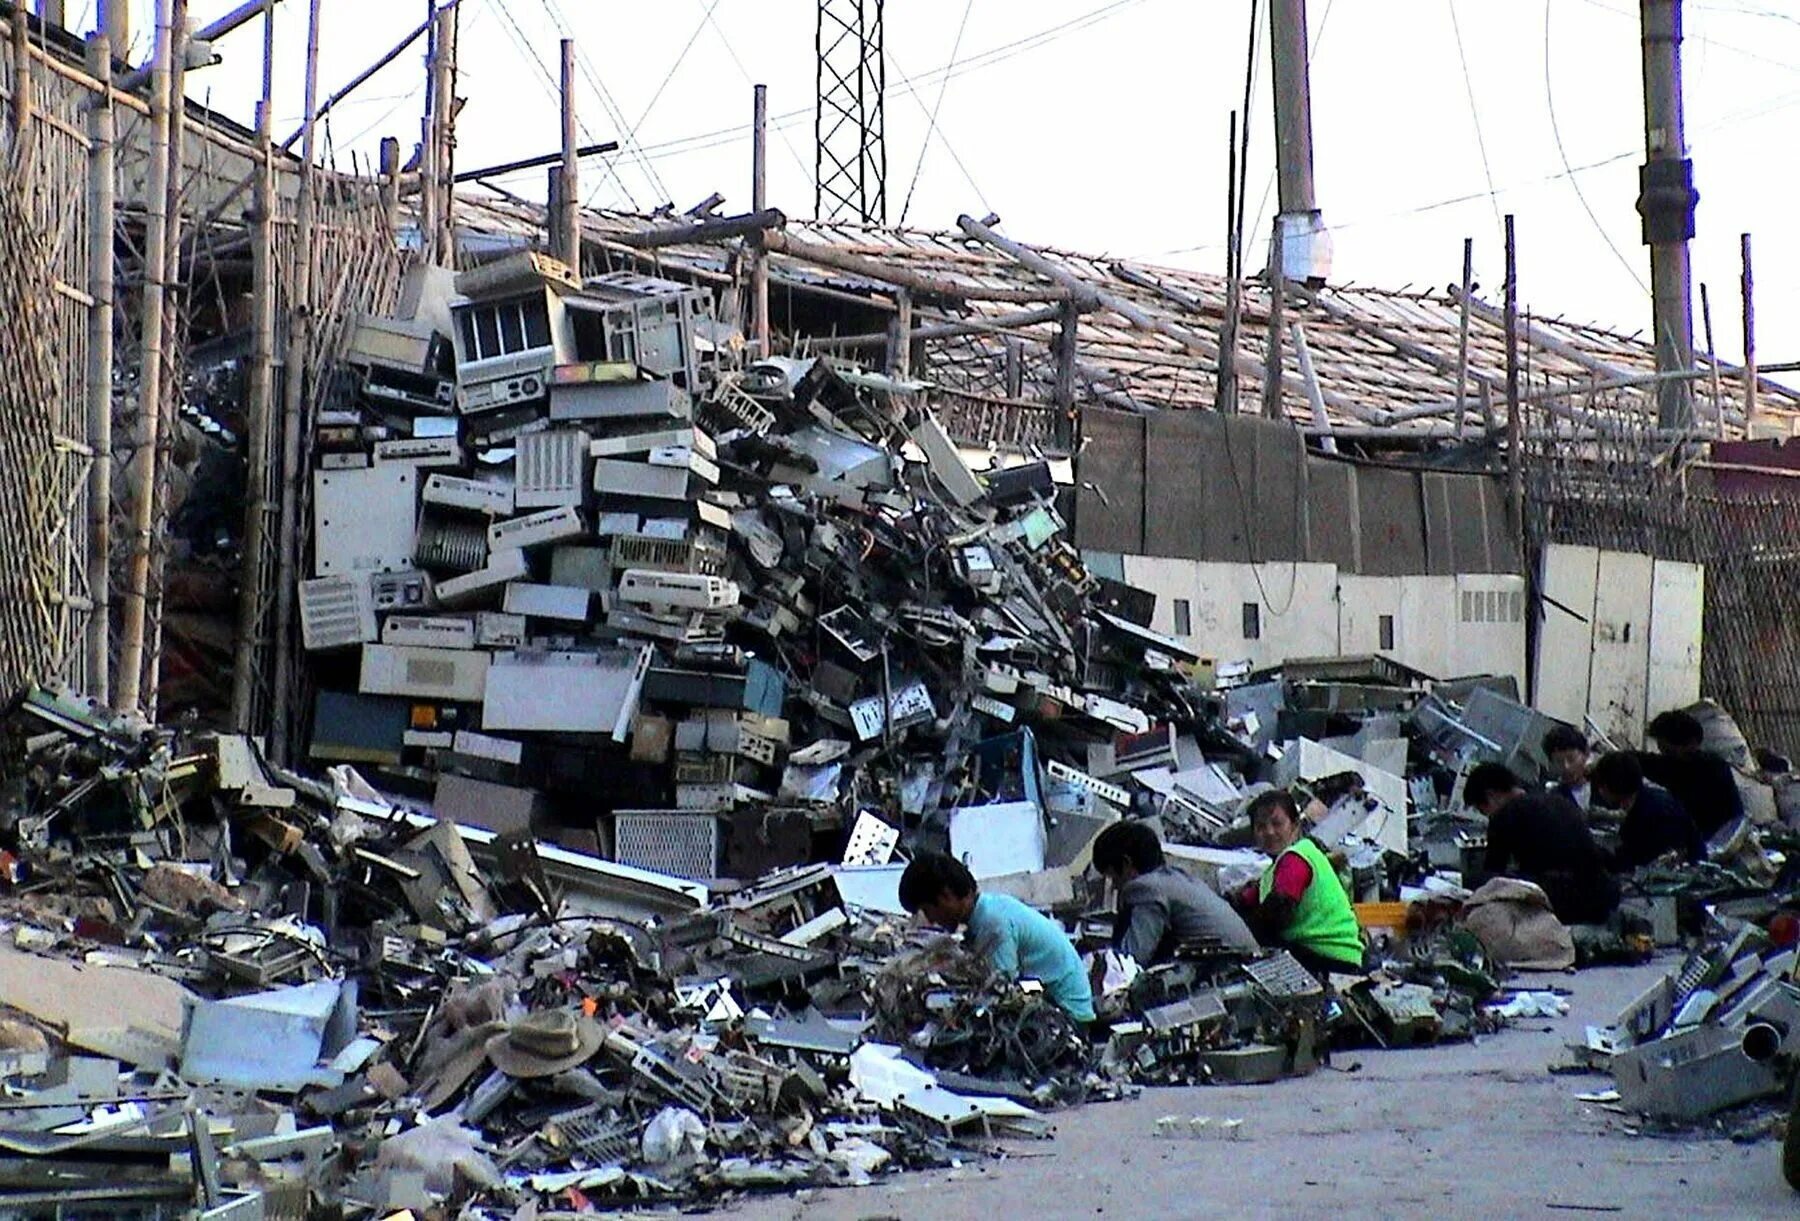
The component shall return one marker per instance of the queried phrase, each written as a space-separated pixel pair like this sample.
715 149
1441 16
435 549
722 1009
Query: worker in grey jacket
1161 908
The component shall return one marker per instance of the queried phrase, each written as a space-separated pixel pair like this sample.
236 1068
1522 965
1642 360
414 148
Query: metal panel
1678 595
1331 518
1391 521
548 471
1618 679
1179 501
336 612
566 692
363 520
1489 619
1565 636
682 845
1110 499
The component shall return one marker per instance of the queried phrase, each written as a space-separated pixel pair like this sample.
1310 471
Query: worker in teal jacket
1016 940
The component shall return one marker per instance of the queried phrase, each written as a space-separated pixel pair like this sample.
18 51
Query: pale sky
1101 126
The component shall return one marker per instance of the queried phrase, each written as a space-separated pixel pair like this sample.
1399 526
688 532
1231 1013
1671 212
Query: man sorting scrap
1161 909
1016 940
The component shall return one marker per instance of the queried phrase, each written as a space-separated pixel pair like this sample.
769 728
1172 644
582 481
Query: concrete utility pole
1666 199
1305 246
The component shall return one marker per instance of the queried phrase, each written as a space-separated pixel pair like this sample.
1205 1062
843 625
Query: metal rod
102 217
1749 291
1271 393
1321 419
143 461
252 631
568 229
1462 335
759 200
527 163
293 400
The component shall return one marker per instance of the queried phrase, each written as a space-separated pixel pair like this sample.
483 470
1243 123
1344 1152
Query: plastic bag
675 1132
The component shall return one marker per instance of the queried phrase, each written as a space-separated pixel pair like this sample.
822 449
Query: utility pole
759 199
1666 200
115 23
568 228
1305 246
1515 431
443 94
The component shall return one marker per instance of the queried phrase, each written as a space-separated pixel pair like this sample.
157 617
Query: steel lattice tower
850 161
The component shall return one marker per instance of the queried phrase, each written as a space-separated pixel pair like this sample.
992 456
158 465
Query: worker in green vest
1298 903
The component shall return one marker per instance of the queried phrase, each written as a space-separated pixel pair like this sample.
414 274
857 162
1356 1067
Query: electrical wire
1487 169
944 139
1561 152
614 111
931 127
806 171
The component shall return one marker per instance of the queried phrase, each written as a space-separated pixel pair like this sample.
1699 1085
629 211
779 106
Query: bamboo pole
153 605
293 464
143 461
102 216
1514 459
445 94
252 633
1271 394
1712 357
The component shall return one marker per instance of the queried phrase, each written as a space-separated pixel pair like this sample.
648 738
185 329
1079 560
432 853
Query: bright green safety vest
1324 922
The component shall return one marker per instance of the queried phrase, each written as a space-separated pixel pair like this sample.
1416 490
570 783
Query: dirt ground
1458 1131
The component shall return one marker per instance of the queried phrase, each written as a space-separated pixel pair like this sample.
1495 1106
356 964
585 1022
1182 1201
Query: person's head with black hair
1618 779
1275 821
940 886
1676 732
1127 850
1567 749
1490 786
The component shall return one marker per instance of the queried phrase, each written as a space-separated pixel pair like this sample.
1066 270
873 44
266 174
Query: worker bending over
1298 903
1655 824
1160 907
1700 780
1543 839
1016 940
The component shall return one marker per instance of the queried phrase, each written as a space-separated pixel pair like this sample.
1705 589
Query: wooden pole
1067 342
115 22
1462 335
1272 360
293 402
1514 459
899 351
759 200
390 178
172 310
102 216
569 218
429 145
1226 396
252 633
128 695
1712 356
1749 290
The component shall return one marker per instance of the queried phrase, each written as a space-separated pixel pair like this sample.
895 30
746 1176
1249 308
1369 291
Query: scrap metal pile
576 572
233 985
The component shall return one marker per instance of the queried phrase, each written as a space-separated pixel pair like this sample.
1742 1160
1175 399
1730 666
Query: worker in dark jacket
1160 907
1701 781
1542 838
1656 825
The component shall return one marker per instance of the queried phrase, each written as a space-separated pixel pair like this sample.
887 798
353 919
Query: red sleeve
1292 876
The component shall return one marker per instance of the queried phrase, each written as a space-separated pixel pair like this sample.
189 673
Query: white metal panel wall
1427 626
1618 674
1566 636
1362 601
1677 600
1298 618
1488 632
